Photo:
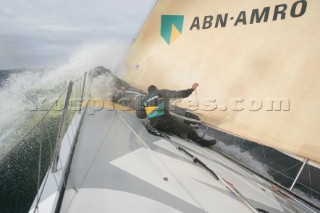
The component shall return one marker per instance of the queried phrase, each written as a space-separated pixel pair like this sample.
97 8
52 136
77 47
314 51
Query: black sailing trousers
167 124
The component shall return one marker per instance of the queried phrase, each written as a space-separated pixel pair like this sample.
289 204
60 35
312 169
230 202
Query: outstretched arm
179 93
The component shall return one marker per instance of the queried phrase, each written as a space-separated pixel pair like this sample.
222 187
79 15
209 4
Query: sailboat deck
119 167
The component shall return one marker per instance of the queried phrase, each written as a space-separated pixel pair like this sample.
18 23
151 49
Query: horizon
45 34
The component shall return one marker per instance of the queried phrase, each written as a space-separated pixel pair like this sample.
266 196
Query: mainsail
256 63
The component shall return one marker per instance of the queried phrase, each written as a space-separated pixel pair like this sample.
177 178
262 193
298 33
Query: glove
194 86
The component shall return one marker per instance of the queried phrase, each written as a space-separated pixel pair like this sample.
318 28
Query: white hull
117 166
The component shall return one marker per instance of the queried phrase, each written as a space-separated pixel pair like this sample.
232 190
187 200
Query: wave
23 91
245 158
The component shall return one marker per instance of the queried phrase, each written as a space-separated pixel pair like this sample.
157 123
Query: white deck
119 167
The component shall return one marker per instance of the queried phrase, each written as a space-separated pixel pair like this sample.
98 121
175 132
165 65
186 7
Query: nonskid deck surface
119 167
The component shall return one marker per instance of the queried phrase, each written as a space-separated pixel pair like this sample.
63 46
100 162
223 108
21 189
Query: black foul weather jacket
156 104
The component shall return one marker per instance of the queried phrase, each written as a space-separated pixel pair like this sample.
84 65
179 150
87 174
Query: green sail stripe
166 25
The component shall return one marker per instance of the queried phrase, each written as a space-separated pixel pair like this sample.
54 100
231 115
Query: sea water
22 91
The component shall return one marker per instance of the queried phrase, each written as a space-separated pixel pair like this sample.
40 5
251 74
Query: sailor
156 105
118 93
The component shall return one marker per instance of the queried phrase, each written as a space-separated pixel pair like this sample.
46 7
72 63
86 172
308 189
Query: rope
167 138
196 94
55 180
204 133
234 159
227 184
283 169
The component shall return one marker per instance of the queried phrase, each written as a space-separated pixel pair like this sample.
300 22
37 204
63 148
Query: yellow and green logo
171 27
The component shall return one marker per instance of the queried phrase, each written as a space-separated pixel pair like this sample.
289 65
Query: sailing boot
202 142
206 143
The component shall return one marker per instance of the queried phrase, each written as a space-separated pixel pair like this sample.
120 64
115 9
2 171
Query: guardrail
291 174
45 136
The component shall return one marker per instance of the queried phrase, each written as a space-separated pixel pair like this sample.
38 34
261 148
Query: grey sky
44 33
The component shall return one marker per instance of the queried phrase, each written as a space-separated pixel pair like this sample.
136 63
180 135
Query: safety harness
153 105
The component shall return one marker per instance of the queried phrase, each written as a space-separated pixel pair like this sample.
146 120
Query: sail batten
256 63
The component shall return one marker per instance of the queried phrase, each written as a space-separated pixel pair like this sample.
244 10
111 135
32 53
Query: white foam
313 200
88 56
245 158
18 94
